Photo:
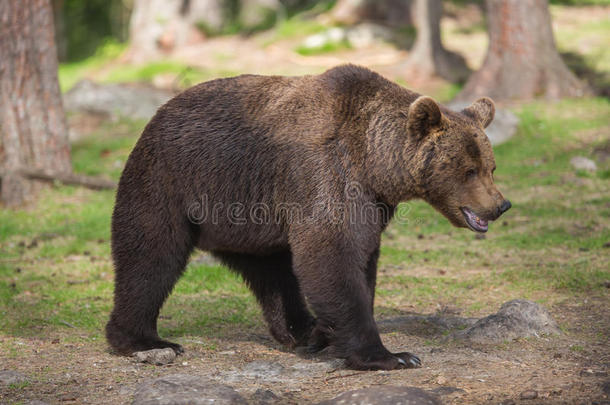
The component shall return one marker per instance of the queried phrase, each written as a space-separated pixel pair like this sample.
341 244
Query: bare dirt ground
567 369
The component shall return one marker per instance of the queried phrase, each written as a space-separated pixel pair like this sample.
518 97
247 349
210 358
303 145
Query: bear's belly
260 239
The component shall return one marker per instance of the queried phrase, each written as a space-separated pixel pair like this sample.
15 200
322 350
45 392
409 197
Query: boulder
515 319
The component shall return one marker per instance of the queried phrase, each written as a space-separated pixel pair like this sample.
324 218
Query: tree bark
522 61
159 27
428 57
33 129
391 12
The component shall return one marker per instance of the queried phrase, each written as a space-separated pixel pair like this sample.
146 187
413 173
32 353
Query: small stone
530 394
606 245
507 402
480 236
441 380
586 372
8 377
583 163
264 397
158 357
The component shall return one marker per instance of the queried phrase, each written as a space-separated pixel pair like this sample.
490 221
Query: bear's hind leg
277 290
147 265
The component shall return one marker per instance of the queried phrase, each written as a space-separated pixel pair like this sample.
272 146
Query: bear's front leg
332 274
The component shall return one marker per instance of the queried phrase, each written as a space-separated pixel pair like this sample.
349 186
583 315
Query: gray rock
359 36
8 377
385 395
583 163
158 357
115 100
263 369
502 128
273 372
446 390
515 319
264 397
178 389
367 34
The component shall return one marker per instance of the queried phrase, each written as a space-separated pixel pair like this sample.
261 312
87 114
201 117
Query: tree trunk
428 57
162 26
33 129
522 61
158 26
391 12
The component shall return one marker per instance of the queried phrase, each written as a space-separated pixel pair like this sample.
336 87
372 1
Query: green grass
56 273
70 73
104 67
327 47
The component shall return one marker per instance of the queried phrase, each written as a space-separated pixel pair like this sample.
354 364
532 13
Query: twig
344 375
67 324
95 183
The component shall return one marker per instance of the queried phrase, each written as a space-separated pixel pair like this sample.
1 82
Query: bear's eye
471 173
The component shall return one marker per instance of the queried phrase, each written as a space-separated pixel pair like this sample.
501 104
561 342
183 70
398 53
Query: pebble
158 357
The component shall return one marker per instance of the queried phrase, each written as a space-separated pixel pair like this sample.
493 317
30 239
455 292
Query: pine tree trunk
522 61
428 57
391 12
33 129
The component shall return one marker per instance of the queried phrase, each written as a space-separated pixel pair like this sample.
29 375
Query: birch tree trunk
33 129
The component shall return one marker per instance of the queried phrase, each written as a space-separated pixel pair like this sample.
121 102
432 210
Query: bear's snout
505 206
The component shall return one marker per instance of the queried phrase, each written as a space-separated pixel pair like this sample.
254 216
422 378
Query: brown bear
290 182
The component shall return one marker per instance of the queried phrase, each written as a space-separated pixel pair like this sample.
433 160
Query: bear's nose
505 206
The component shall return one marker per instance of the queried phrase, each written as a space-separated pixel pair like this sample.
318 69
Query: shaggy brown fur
290 182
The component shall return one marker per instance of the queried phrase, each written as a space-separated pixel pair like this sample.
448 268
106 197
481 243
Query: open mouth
475 223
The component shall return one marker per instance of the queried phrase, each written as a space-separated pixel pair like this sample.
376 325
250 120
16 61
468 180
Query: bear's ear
424 115
482 111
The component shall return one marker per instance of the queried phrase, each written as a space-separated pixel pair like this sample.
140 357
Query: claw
415 361
401 361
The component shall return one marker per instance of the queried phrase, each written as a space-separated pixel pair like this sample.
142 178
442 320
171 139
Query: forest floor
552 247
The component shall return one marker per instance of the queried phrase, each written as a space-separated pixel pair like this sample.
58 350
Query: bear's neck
389 155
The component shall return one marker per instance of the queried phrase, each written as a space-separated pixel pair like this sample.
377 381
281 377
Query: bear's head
454 162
